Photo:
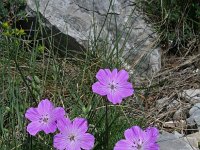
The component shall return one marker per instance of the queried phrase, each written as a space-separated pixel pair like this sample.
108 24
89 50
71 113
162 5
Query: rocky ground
171 101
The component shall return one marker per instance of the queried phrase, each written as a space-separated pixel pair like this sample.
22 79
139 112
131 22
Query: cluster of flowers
48 118
73 134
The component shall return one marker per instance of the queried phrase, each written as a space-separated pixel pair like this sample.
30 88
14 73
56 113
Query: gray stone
194 109
177 134
192 95
190 121
168 141
180 114
193 139
173 105
174 124
194 118
169 124
168 103
162 102
79 19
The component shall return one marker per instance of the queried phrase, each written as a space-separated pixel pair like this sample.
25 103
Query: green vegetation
11 9
175 20
31 70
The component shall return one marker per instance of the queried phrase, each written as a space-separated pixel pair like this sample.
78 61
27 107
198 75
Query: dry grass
177 74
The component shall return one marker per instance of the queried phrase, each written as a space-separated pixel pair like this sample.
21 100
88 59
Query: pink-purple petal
151 146
60 141
125 92
151 134
81 124
87 141
133 134
126 85
63 123
45 106
49 127
114 74
74 146
108 72
32 114
34 127
115 97
154 132
58 113
124 145
122 76
99 89
102 76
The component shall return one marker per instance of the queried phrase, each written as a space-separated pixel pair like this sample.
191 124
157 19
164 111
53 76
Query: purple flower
73 135
44 117
137 139
113 84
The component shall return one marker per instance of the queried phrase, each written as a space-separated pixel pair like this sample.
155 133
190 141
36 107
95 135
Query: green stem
106 124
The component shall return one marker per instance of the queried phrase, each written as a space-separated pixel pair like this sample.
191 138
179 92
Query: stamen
139 147
112 87
44 119
72 138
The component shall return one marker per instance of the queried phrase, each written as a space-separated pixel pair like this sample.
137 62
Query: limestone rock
194 118
193 139
79 19
180 114
162 102
177 134
172 105
192 95
168 141
173 124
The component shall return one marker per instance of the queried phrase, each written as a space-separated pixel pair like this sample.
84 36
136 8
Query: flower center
139 144
72 137
113 85
139 147
44 119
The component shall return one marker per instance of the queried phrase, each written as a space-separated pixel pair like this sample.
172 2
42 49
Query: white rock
194 109
162 102
169 124
194 115
180 114
168 141
177 134
192 95
173 124
173 105
77 19
193 139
